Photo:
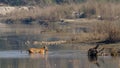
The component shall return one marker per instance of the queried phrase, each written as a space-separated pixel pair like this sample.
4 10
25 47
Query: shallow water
55 59
13 54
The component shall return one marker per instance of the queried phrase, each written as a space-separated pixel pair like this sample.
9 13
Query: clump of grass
109 30
113 33
104 32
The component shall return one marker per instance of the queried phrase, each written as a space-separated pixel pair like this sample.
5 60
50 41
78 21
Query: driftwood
112 52
93 51
92 55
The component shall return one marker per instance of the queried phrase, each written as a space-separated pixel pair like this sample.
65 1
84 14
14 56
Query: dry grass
107 10
106 31
55 12
51 13
109 30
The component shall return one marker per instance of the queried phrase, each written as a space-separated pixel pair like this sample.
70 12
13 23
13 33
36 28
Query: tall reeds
110 31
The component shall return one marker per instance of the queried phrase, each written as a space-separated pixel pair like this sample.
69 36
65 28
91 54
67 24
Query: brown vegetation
92 9
107 31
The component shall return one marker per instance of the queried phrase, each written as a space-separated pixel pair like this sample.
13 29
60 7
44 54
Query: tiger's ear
46 48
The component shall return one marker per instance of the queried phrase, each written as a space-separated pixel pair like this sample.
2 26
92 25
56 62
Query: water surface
54 59
13 53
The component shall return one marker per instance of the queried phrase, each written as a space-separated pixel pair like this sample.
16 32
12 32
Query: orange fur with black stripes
38 50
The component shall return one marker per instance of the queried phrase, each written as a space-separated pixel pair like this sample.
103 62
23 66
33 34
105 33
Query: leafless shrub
109 30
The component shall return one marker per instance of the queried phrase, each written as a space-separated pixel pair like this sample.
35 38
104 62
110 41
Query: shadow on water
94 60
